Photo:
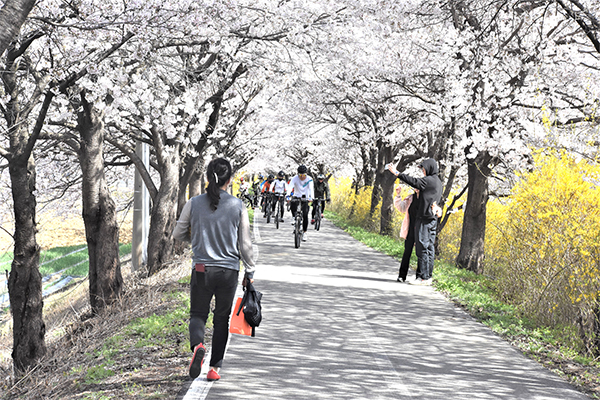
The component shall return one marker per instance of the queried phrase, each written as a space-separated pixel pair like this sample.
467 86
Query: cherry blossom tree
12 15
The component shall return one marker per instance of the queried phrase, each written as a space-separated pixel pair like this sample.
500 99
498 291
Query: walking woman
217 225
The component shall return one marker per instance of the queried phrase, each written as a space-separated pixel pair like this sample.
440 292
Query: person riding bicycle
302 185
279 187
243 192
256 190
266 189
321 192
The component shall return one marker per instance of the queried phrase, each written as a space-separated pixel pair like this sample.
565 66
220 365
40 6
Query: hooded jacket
430 187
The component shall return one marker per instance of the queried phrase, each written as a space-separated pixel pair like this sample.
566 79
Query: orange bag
238 323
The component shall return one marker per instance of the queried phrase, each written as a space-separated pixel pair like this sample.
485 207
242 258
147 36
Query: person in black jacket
321 192
430 188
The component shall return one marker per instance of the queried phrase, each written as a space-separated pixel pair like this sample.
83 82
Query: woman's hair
218 173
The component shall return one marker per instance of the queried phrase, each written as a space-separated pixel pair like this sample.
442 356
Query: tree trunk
25 280
99 214
384 182
193 184
596 330
387 204
164 210
12 16
196 184
472 242
377 167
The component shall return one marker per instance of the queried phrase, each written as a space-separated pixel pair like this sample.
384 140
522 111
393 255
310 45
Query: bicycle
317 208
288 200
246 198
268 208
278 209
298 232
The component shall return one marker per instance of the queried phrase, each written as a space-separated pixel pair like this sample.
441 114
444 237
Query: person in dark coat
430 188
321 192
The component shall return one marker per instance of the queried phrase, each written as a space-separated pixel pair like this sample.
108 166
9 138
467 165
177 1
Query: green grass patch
59 258
110 348
124 249
159 330
72 259
5 259
98 373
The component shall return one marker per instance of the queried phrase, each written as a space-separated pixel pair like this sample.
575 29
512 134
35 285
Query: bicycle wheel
269 213
298 232
318 221
277 213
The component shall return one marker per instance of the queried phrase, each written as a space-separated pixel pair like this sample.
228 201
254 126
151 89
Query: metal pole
141 213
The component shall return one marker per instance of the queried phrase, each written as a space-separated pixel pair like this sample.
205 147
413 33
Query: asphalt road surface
337 325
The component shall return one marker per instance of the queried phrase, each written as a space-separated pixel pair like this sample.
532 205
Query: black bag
251 306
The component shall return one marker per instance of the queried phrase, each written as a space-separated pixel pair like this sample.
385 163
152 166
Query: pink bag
402 206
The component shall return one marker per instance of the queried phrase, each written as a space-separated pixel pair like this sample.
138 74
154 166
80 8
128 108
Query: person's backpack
251 306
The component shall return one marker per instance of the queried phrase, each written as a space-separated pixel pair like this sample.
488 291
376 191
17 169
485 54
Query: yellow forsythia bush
353 207
449 237
543 245
356 207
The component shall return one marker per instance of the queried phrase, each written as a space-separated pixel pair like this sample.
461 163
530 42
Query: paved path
336 325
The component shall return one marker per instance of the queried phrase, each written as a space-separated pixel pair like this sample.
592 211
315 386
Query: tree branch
139 165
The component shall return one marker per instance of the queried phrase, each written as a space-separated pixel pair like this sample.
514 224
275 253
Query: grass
5 259
137 345
71 259
477 295
157 330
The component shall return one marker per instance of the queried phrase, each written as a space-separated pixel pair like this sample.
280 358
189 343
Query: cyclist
262 180
256 190
302 185
266 189
279 188
244 190
321 192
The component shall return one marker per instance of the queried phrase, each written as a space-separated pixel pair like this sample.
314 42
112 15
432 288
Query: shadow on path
337 325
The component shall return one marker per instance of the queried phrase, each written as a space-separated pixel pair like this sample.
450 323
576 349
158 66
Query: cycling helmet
242 179
320 176
280 174
302 169
260 176
270 177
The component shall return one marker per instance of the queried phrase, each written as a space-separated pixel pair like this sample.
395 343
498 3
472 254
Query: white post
141 212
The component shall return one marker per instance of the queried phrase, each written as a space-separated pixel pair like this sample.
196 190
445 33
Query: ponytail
218 173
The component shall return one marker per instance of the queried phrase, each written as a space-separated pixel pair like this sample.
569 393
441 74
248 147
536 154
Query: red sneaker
197 359
212 375
312 221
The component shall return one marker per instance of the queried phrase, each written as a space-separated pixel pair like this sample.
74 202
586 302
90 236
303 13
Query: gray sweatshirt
219 238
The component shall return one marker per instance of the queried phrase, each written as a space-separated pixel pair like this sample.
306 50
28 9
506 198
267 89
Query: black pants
409 244
222 283
425 231
294 207
279 199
